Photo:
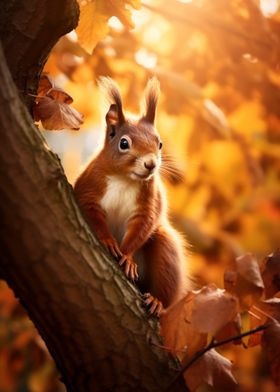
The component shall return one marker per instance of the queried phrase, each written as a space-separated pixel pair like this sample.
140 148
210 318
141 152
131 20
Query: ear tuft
152 92
112 92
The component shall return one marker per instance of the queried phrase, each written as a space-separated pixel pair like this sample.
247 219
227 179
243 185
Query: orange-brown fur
148 245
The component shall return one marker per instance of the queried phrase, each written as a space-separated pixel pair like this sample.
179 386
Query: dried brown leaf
212 369
270 270
244 280
55 115
45 85
48 88
271 346
58 94
231 329
52 107
213 308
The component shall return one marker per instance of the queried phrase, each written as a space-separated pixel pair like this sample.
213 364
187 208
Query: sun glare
269 7
152 34
145 58
72 36
139 18
115 23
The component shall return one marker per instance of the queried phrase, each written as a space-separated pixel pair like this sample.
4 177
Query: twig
210 346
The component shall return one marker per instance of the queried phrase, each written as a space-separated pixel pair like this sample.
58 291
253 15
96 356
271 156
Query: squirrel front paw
112 246
154 304
130 267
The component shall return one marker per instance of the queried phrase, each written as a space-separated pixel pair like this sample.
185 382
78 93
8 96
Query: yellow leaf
94 16
93 25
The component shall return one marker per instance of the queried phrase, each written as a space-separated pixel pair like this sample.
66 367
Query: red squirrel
122 196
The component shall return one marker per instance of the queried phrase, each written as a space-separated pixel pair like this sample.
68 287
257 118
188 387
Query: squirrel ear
115 114
112 117
151 97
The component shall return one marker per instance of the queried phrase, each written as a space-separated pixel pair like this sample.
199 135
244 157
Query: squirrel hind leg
165 265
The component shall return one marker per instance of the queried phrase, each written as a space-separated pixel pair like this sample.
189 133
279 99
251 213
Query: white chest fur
119 203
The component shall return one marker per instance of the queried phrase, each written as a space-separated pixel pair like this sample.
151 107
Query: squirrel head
132 148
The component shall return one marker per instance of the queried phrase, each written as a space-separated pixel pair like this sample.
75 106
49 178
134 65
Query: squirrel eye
160 145
124 144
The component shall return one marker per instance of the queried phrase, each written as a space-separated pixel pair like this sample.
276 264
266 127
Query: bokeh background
219 117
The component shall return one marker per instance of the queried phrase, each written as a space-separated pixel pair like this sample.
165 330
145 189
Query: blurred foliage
219 116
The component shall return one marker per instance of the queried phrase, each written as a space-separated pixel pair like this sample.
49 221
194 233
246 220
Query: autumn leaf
185 325
212 369
260 313
244 280
47 87
180 336
271 346
55 115
212 309
94 16
93 24
232 328
270 270
52 107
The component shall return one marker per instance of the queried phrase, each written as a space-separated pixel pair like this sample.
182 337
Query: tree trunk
28 30
87 312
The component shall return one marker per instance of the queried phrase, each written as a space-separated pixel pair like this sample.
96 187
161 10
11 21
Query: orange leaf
94 16
244 280
212 369
231 329
179 334
185 325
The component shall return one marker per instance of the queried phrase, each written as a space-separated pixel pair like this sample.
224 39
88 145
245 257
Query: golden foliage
94 16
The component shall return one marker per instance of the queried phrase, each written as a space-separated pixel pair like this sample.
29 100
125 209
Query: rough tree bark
84 308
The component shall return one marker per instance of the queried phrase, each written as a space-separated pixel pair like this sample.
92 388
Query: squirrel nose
150 165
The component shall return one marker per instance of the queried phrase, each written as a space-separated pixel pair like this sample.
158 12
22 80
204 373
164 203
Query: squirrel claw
112 247
130 267
155 305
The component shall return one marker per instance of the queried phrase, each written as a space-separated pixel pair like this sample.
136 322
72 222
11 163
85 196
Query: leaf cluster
215 315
